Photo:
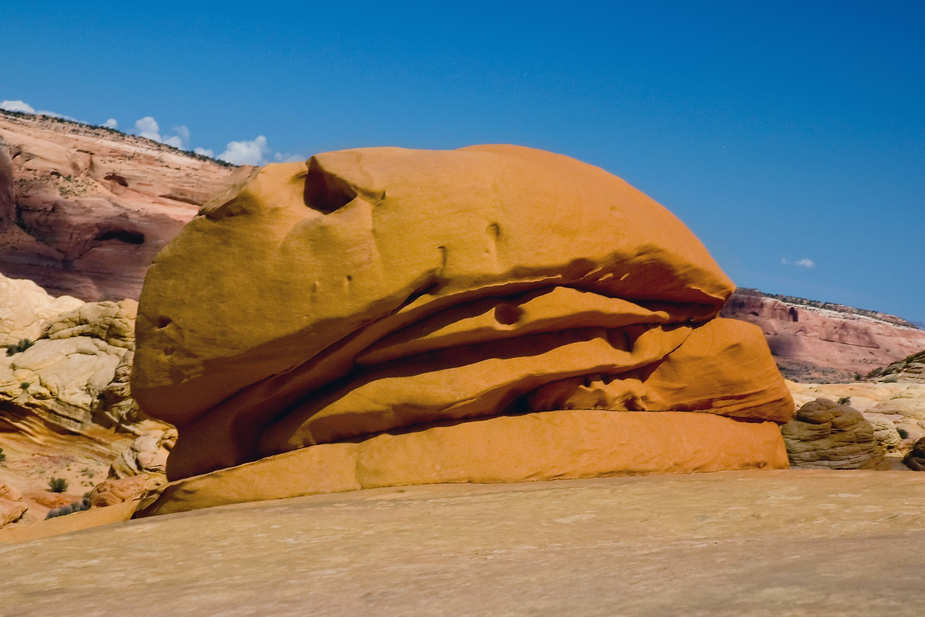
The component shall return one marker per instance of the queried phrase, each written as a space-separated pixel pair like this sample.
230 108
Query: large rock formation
816 342
824 434
387 316
83 210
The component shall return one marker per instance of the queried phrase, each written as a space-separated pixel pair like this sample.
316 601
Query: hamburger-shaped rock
385 316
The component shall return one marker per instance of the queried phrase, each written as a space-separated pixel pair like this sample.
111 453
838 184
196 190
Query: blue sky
790 136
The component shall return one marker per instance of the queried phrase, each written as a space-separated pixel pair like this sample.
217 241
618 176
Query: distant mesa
821 342
384 316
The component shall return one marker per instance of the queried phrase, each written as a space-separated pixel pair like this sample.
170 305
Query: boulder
824 434
385 290
915 458
117 490
11 511
147 455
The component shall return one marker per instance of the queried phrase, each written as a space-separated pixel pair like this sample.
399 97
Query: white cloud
182 132
20 106
111 123
204 152
147 127
26 108
279 157
246 152
801 263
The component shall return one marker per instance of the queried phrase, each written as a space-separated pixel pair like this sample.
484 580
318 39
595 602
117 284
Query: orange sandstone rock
383 289
539 446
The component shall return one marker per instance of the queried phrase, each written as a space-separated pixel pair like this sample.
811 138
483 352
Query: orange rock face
397 291
83 210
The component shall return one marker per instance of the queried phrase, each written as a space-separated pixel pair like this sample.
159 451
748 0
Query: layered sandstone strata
83 210
486 314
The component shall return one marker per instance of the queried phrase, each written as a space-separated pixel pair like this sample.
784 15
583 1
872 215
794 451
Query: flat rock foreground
729 543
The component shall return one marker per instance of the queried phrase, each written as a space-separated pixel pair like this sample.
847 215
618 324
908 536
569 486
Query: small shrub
24 385
2 455
19 347
77 506
845 400
57 485
903 433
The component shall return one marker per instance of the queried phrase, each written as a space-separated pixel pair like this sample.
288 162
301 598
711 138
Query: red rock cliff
823 344
83 210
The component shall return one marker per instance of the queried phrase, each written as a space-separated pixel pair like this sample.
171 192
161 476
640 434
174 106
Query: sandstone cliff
83 210
825 343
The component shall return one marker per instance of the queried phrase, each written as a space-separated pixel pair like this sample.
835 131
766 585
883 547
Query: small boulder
826 435
11 511
915 459
116 490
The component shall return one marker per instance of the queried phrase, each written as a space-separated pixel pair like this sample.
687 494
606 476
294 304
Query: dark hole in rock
122 235
325 192
117 179
507 314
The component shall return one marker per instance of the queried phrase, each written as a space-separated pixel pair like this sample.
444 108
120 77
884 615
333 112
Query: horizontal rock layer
539 446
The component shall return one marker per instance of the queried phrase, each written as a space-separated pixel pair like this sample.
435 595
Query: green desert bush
845 400
2 455
903 433
57 485
19 347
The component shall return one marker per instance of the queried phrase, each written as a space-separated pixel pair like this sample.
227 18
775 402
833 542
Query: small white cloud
204 152
20 106
111 123
147 127
801 263
246 152
182 132
23 107
279 157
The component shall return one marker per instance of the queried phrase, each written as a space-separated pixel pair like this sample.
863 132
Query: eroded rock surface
493 299
83 210
824 434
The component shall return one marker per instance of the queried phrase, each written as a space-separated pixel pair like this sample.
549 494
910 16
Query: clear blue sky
782 133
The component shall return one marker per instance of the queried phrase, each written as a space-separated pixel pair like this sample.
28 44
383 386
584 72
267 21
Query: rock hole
122 235
324 191
117 179
508 314
163 322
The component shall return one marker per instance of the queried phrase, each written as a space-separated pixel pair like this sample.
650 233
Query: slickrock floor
737 543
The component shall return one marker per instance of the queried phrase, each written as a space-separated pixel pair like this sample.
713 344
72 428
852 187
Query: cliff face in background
825 343
84 210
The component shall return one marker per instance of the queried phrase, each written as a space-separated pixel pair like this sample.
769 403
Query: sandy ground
732 543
